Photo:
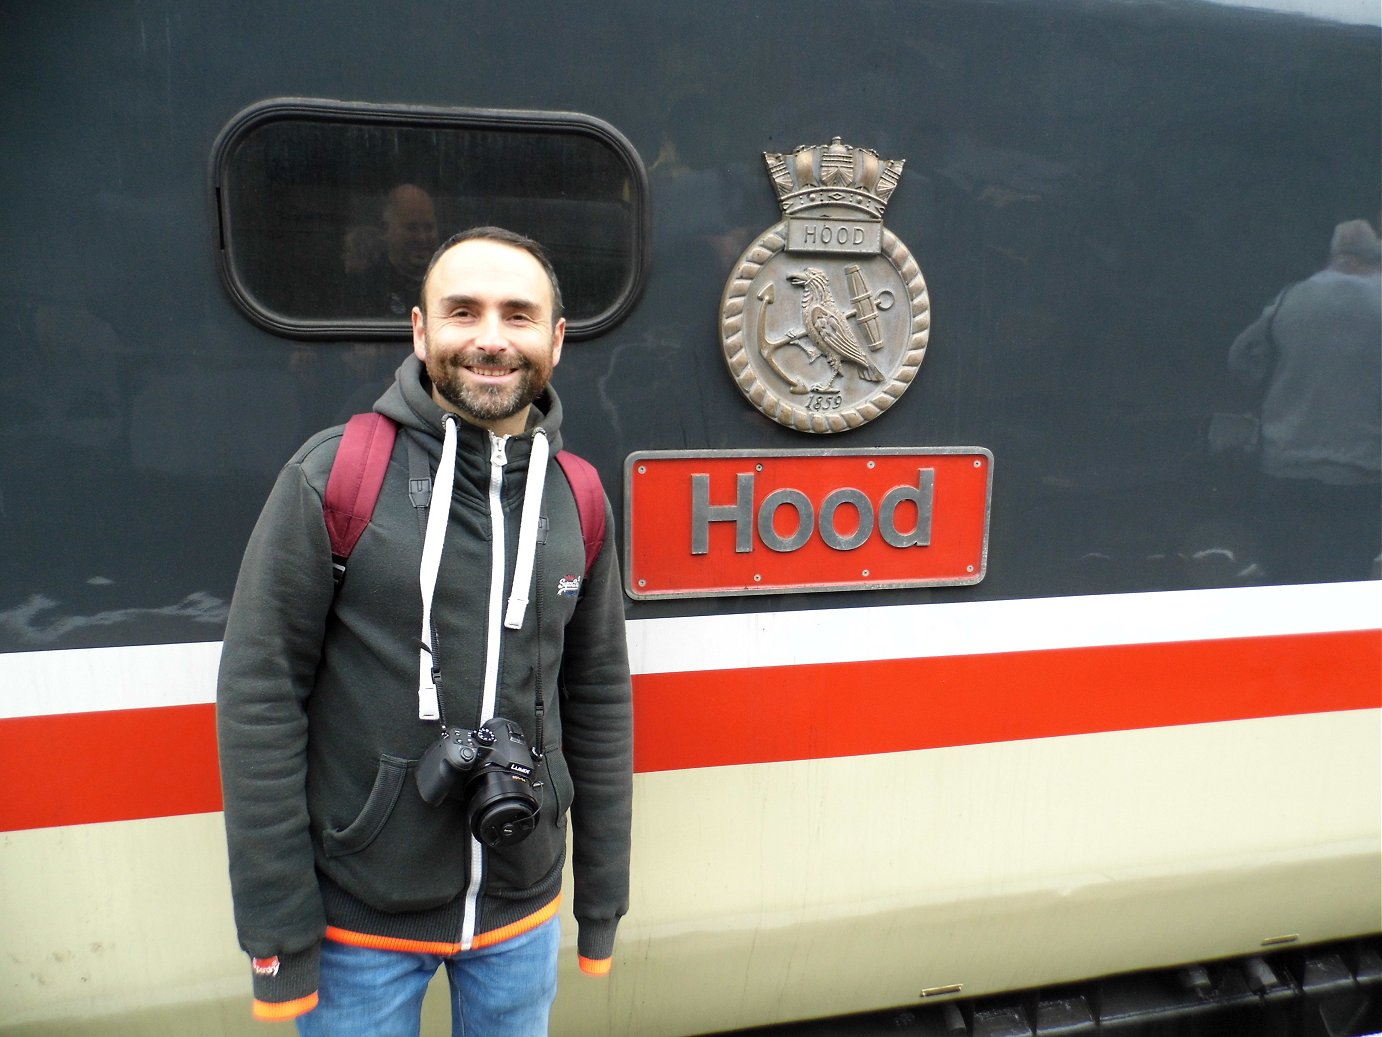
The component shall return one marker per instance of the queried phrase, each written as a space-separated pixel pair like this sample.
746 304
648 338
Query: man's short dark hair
504 237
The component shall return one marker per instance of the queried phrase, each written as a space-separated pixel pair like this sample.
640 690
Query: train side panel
1150 734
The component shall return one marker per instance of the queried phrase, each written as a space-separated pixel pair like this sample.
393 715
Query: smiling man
489 329
400 746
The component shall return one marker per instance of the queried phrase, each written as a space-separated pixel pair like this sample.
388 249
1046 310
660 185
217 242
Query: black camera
494 765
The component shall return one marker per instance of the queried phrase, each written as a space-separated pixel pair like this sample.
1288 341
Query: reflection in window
330 212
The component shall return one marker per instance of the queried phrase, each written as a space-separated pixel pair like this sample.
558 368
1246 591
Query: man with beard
488 336
360 864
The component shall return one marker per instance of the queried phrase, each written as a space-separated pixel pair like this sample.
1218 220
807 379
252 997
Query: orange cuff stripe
596 966
278 1011
487 939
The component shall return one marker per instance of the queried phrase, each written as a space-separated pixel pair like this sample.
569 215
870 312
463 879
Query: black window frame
518 121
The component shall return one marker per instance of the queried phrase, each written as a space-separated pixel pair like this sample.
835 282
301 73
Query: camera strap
539 707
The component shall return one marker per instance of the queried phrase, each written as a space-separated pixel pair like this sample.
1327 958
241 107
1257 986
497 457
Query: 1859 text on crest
825 319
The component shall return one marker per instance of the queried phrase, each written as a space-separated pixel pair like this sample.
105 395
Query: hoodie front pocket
399 853
378 808
559 775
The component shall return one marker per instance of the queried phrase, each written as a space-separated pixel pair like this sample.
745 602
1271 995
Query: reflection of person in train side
399 752
1316 351
385 265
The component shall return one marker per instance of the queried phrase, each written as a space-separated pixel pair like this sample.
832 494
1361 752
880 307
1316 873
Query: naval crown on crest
833 174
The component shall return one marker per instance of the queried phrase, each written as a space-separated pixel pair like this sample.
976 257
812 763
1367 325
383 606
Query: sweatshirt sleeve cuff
282 1011
595 944
596 967
285 985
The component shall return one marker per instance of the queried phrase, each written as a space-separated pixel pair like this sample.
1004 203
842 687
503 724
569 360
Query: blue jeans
501 991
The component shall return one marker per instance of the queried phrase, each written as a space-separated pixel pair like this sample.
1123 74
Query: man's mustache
516 361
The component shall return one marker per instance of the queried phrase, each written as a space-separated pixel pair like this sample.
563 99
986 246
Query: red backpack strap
590 502
353 485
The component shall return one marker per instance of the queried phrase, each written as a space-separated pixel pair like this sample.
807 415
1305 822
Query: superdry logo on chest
569 586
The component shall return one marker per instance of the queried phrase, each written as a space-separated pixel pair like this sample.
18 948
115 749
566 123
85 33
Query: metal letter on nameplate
824 321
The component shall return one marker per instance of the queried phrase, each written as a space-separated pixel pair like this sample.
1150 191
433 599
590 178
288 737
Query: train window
328 212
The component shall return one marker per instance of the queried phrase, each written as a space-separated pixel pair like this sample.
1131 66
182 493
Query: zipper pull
498 456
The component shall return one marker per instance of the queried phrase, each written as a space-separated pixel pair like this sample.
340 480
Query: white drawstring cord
527 530
438 514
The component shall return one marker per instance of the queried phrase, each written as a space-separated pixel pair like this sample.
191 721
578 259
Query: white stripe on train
147 676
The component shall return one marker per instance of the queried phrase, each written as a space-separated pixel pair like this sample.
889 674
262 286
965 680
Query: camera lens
503 809
505 824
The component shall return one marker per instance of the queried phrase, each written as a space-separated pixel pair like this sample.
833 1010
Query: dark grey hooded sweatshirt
318 707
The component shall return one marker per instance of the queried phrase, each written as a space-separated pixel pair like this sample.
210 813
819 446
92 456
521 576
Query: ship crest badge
825 319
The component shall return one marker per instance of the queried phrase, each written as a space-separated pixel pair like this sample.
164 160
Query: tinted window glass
329 213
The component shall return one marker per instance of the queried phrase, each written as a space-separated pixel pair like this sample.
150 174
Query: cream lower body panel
777 891
773 892
121 928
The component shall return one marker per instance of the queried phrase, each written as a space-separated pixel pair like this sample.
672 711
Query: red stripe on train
118 765
827 710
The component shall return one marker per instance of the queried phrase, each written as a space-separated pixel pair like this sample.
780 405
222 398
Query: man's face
487 338
410 230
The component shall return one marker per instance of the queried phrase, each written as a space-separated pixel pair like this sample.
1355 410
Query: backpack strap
590 502
353 486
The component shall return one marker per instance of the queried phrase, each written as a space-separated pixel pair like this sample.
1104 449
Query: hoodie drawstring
438 513
527 531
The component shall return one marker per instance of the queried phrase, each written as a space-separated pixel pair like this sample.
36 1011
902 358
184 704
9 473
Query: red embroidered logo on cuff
266 966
